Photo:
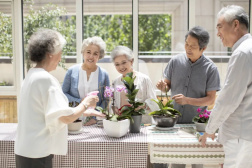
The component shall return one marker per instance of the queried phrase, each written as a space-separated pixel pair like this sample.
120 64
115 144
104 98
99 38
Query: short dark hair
200 34
44 41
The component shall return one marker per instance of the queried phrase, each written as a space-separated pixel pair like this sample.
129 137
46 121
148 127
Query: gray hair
234 12
200 34
122 50
45 41
96 41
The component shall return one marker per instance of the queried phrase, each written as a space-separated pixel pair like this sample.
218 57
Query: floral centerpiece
201 119
109 95
116 124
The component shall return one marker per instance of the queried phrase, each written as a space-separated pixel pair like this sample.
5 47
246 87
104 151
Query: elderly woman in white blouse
123 59
84 78
43 112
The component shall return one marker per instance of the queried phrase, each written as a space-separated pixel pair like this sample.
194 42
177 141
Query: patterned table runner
179 146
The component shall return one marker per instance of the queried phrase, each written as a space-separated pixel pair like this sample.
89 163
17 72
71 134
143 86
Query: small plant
202 117
135 106
165 110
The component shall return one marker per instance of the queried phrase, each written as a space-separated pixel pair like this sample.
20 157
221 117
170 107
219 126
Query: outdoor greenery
154 30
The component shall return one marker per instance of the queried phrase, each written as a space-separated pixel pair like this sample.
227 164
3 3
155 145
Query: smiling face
91 55
226 32
192 48
123 65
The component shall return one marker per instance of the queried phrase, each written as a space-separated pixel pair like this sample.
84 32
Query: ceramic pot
116 128
165 121
75 126
200 127
135 125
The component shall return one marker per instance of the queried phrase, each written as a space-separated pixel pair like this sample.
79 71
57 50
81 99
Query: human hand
180 99
90 101
92 112
203 138
161 85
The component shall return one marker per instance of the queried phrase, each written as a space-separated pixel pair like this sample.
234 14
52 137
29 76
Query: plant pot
135 125
75 126
200 127
116 128
165 121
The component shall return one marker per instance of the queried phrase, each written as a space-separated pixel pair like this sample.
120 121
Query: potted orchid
201 119
115 124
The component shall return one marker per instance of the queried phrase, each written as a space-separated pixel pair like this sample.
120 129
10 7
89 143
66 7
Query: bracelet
86 107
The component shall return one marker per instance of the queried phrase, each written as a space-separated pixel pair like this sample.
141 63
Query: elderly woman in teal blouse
84 78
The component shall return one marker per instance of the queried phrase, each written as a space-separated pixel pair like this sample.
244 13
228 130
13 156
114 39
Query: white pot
75 126
200 127
116 128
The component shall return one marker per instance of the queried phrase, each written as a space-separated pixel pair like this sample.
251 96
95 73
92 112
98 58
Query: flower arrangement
109 94
202 117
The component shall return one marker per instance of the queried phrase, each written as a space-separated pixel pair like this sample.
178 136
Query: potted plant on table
114 124
134 109
201 119
166 116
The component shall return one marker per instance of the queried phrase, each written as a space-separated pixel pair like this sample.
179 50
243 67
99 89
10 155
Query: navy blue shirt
192 80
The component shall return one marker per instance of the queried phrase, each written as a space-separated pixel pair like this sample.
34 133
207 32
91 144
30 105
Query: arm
204 101
66 87
236 84
89 101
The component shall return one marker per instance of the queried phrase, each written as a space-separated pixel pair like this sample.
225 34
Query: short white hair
95 41
122 50
233 12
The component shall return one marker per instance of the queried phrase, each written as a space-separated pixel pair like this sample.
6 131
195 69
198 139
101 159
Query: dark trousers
24 162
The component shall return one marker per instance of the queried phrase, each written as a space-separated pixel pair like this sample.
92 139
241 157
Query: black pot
165 121
135 126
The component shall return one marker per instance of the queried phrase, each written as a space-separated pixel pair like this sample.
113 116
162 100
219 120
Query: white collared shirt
233 109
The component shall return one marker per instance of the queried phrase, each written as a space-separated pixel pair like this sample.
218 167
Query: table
91 149
94 149
180 147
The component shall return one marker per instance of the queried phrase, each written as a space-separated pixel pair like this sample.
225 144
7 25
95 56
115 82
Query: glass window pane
57 15
162 28
206 16
6 47
112 21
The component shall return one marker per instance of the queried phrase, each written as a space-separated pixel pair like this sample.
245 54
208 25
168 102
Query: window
112 21
6 45
162 27
58 15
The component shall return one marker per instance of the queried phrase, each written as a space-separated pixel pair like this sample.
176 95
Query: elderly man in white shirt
232 113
